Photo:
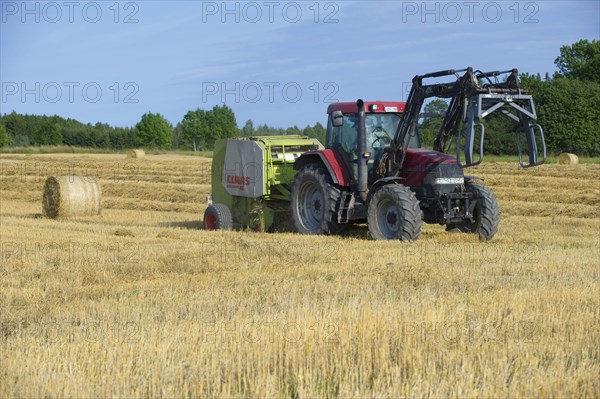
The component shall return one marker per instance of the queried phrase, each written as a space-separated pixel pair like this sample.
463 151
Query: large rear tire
486 214
314 202
217 217
394 213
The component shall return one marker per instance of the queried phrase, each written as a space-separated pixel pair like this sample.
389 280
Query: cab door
343 141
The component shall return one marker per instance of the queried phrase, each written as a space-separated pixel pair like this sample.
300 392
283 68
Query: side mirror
337 118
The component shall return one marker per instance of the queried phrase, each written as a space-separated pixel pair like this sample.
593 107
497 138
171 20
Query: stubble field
140 301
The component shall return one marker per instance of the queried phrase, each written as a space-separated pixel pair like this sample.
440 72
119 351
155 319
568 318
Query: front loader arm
419 92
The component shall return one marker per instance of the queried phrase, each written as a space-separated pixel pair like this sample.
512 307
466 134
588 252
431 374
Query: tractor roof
370 106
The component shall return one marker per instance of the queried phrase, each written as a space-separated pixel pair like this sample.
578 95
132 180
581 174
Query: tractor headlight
449 180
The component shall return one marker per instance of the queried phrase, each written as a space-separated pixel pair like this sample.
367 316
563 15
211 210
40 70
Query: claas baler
251 180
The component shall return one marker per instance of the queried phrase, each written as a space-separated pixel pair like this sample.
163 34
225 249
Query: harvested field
139 301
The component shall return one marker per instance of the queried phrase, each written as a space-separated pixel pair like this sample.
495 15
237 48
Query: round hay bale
137 153
567 158
68 196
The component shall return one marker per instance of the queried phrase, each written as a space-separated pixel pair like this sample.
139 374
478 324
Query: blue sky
274 62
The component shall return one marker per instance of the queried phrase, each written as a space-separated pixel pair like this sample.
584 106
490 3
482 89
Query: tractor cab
381 122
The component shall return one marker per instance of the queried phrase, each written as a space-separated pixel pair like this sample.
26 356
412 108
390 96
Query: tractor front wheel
217 217
486 214
314 202
394 213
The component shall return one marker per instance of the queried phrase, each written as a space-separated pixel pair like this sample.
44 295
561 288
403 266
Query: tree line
567 104
198 130
152 131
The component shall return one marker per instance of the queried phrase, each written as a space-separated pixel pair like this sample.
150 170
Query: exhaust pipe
362 149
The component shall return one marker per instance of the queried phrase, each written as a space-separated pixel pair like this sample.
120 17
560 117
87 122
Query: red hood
417 161
420 155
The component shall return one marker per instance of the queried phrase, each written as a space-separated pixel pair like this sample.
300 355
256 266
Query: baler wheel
217 217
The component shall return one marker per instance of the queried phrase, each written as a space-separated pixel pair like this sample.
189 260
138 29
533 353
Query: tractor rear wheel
486 214
217 217
314 202
394 213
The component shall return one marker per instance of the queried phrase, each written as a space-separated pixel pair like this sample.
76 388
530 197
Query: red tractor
372 169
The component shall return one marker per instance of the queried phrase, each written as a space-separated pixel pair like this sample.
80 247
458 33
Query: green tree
154 131
294 130
433 116
308 131
580 60
5 138
201 129
265 130
499 138
16 125
178 140
50 135
195 129
222 124
248 129
568 112
317 131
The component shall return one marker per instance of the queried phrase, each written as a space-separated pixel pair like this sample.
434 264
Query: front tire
314 202
394 213
486 213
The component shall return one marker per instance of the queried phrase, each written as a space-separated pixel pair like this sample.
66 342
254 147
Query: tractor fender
382 182
469 178
327 158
